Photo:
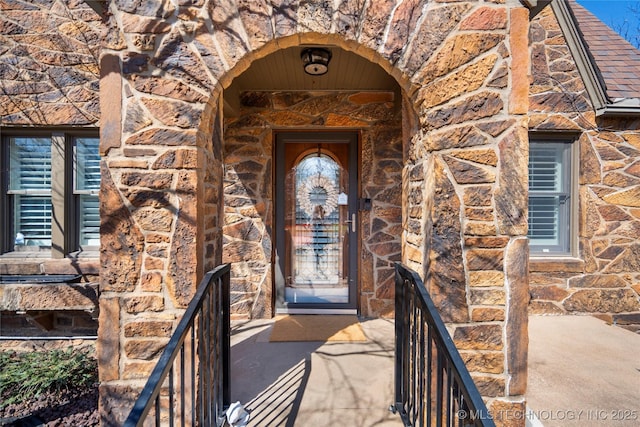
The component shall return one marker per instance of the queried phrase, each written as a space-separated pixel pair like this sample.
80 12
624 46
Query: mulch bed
70 409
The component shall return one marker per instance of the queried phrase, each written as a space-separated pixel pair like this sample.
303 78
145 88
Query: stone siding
49 74
444 166
248 152
604 277
49 77
463 130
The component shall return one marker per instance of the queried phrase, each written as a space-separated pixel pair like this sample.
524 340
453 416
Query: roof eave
585 63
628 107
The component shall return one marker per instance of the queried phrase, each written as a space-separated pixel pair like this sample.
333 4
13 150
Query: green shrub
24 376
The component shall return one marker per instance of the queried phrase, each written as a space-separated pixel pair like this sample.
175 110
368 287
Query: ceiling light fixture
316 60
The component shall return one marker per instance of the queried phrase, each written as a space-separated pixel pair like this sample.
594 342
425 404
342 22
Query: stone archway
462 66
372 108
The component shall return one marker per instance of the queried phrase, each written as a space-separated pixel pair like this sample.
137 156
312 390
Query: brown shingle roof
617 60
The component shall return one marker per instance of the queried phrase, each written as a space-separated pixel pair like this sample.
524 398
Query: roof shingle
617 60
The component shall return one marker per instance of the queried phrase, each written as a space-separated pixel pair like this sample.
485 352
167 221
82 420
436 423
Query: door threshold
316 311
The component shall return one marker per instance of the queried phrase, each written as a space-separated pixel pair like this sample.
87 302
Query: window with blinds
549 197
86 187
30 191
49 198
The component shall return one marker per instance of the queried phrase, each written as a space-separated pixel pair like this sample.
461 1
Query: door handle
352 222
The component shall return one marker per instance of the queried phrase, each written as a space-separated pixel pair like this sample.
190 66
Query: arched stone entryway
371 107
462 70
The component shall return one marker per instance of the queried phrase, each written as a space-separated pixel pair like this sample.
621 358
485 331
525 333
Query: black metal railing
190 383
432 384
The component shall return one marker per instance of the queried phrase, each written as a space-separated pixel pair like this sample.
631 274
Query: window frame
567 221
65 233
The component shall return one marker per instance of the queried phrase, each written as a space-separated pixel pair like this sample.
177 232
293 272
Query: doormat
316 327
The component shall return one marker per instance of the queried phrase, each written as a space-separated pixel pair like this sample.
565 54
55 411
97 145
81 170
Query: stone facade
49 78
463 128
443 159
49 74
603 278
248 189
442 163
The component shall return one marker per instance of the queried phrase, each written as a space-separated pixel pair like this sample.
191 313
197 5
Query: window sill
17 263
560 264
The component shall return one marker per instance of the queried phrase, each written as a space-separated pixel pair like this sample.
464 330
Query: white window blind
549 195
30 190
86 186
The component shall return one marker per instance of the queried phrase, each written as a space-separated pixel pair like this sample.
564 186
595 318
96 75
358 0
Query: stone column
160 201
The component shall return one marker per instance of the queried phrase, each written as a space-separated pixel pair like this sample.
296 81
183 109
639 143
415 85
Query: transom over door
316 221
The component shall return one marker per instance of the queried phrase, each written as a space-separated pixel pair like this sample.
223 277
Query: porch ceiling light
316 60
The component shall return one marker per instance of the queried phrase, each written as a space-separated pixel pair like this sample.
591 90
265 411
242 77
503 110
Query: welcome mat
315 327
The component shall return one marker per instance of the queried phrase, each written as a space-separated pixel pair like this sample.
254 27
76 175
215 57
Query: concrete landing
314 383
583 372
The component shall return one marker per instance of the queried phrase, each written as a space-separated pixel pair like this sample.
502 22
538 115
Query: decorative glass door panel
315 217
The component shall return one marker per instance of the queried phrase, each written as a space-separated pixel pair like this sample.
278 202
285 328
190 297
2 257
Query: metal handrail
432 383
200 347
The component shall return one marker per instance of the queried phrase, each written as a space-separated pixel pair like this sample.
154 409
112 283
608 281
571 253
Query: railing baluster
182 390
171 396
429 374
421 372
439 381
158 410
193 375
432 382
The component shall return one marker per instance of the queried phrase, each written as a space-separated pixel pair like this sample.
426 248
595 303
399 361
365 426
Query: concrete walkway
314 383
583 372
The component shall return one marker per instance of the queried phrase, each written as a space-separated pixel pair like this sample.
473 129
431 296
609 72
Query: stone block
110 103
144 349
467 47
142 303
490 278
466 80
148 329
478 195
519 49
556 266
511 196
508 413
597 281
478 337
487 297
485 18
485 259
517 322
485 314
486 157
602 301
108 344
469 173
489 242
138 370
46 297
545 307
115 402
550 293
487 362
122 242
489 386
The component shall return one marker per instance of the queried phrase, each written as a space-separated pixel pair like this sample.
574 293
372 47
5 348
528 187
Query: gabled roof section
617 59
608 64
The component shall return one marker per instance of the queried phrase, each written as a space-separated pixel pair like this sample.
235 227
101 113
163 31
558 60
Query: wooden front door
316 221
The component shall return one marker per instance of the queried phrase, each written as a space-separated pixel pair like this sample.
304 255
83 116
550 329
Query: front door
316 189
